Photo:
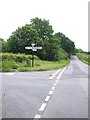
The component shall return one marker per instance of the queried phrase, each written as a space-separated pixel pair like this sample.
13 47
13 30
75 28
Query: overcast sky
67 16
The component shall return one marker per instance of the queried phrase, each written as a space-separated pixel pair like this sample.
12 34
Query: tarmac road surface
59 93
70 99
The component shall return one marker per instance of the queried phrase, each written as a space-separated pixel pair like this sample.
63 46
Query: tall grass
84 57
18 62
16 57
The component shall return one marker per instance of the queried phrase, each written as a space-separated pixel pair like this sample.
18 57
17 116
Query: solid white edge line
50 92
37 116
47 98
42 107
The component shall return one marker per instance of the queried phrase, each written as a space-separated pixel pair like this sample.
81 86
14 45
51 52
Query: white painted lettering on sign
33 48
28 47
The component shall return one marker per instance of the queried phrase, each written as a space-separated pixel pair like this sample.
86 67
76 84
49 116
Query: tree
43 27
66 43
52 48
1 40
3 45
40 32
78 50
22 37
50 42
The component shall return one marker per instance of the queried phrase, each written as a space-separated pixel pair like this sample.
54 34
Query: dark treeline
54 46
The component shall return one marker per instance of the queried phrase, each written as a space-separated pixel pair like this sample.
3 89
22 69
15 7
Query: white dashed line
47 98
50 92
60 74
42 107
53 88
57 81
55 74
9 73
37 116
55 84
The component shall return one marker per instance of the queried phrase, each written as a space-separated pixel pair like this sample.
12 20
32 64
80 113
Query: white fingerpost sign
33 48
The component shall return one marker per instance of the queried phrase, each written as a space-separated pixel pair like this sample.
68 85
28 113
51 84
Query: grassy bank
18 62
84 58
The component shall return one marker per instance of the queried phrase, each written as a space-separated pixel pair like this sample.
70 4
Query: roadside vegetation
84 57
21 62
55 53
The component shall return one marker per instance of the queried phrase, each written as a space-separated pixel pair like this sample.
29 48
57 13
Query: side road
59 93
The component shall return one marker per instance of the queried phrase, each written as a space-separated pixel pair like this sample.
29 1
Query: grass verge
84 57
13 62
44 65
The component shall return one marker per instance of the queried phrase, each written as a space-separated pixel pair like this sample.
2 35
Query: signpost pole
32 58
33 54
33 48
